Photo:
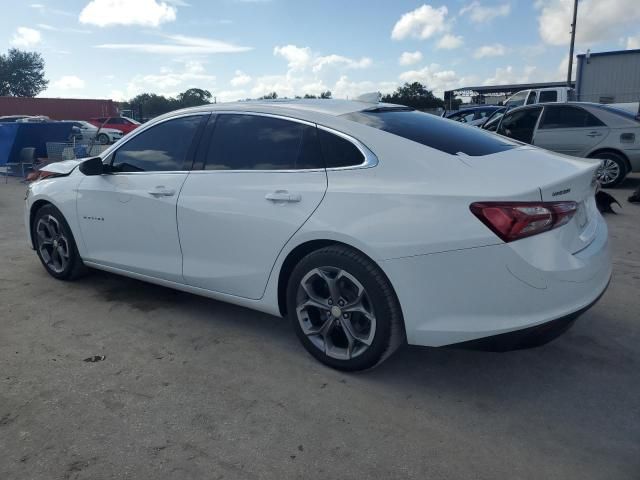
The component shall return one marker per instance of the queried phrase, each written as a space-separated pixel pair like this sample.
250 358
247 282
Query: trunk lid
558 177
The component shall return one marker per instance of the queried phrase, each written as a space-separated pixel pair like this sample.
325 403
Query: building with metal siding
609 77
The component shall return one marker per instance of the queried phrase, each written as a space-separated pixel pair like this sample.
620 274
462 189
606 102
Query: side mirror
92 167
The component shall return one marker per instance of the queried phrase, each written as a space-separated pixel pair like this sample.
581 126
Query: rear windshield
618 111
435 132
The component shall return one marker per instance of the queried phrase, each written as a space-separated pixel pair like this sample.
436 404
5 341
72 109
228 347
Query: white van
540 95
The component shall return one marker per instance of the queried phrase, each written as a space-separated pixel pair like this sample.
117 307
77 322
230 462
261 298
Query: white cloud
433 78
481 14
51 28
598 20
148 13
26 37
231 95
449 42
409 58
495 50
240 79
507 75
338 60
297 57
68 82
633 42
170 82
346 88
180 44
422 23
301 58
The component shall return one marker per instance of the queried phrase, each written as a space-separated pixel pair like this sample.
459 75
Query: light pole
573 39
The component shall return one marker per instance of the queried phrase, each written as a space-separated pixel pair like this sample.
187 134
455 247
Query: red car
124 124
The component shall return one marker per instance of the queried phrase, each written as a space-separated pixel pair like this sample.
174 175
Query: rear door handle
594 134
282 196
162 191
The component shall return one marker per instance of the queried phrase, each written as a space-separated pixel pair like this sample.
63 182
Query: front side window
532 98
256 142
518 99
161 148
568 117
520 125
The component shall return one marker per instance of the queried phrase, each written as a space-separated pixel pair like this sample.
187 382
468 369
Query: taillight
514 220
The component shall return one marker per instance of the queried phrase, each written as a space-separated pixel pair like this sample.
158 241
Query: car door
128 216
569 129
520 124
263 176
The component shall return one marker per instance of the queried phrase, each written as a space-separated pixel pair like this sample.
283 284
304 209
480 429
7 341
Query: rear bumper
528 337
464 295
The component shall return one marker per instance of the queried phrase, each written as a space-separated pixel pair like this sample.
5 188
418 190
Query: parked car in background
491 122
12 118
473 115
365 223
34 119
124 124
90 132
540 95
580 129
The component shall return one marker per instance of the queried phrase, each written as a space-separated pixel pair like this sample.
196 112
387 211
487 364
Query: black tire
619 161
389 331
103 139
73 267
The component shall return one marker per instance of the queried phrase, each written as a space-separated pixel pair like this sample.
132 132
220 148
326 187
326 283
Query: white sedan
369 225
90 132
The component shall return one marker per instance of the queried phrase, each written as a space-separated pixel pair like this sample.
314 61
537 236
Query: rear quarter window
434 132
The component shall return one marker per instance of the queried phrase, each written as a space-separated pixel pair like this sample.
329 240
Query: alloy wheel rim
52 244
608 172
335 313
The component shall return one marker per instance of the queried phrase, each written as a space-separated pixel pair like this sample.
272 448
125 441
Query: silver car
580 129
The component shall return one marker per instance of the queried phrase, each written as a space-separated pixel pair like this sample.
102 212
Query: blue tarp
16 136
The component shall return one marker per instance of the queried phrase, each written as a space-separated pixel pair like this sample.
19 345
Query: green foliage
149 105
414 95
269 96
22 74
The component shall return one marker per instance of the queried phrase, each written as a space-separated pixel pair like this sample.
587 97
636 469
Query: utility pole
573 39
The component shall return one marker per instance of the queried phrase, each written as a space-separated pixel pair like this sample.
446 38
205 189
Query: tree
22 74
414 95
194 97
269 96
326 94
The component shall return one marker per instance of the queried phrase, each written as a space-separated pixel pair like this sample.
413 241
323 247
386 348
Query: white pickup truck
556 94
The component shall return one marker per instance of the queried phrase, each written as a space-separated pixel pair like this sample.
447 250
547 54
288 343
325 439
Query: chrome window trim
370 159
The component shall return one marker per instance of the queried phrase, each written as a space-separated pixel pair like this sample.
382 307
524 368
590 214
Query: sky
241 49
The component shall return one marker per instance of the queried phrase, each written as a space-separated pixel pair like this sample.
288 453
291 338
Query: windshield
432 131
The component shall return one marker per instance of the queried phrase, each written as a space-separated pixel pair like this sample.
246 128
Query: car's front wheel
613 169
344 309
55 244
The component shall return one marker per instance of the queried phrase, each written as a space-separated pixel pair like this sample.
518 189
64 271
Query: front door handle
162 191
594 134
282 196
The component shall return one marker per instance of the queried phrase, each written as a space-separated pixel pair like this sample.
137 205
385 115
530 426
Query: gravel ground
192 388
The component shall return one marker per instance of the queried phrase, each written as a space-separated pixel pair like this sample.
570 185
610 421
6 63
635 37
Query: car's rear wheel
343 309
613 169
55 244
103 139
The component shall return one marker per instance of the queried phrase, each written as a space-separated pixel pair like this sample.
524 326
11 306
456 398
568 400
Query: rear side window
161 148
548 96
568 117
432 131
255 142
339 152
